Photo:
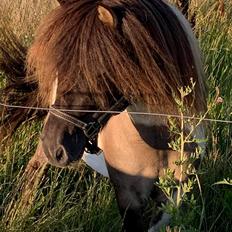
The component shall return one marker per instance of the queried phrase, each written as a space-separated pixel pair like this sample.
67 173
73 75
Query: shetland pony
123 55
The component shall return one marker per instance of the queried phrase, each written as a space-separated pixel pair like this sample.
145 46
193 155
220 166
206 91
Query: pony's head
99 50
65 134
62 141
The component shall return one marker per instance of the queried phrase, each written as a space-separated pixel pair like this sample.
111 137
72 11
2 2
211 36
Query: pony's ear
107 16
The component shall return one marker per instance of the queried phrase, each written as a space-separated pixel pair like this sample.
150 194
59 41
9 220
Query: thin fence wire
118 112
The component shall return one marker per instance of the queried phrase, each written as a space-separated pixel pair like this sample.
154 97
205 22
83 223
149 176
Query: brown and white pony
87 55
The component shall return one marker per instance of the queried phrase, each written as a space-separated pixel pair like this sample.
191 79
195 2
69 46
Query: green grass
65 199
81 200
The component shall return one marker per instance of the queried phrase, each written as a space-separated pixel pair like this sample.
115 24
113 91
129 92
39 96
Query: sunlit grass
23 16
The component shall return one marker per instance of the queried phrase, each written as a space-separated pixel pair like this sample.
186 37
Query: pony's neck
146 118
152 129
155 131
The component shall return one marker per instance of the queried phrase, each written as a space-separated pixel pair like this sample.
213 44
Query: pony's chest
128 150
125 150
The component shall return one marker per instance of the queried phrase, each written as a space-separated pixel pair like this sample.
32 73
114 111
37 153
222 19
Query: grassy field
81 200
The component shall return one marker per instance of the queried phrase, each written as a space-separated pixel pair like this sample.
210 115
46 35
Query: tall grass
23 16
81 200
216 41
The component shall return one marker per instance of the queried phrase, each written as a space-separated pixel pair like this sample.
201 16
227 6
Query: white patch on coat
52 96
96 162
54 91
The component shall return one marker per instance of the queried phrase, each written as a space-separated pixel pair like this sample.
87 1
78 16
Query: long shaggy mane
147 57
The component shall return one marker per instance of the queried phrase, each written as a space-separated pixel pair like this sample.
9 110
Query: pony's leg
162 219
131 209
132 194
159 219
133 198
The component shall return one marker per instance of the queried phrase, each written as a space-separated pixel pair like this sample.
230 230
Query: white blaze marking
54 91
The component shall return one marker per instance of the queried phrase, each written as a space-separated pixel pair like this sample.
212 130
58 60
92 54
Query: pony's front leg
133 197
131 209
132 194
162 219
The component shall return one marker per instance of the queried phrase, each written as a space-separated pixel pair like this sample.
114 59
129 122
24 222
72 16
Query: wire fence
118 112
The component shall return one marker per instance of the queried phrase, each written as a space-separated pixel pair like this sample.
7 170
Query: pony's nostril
60 154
